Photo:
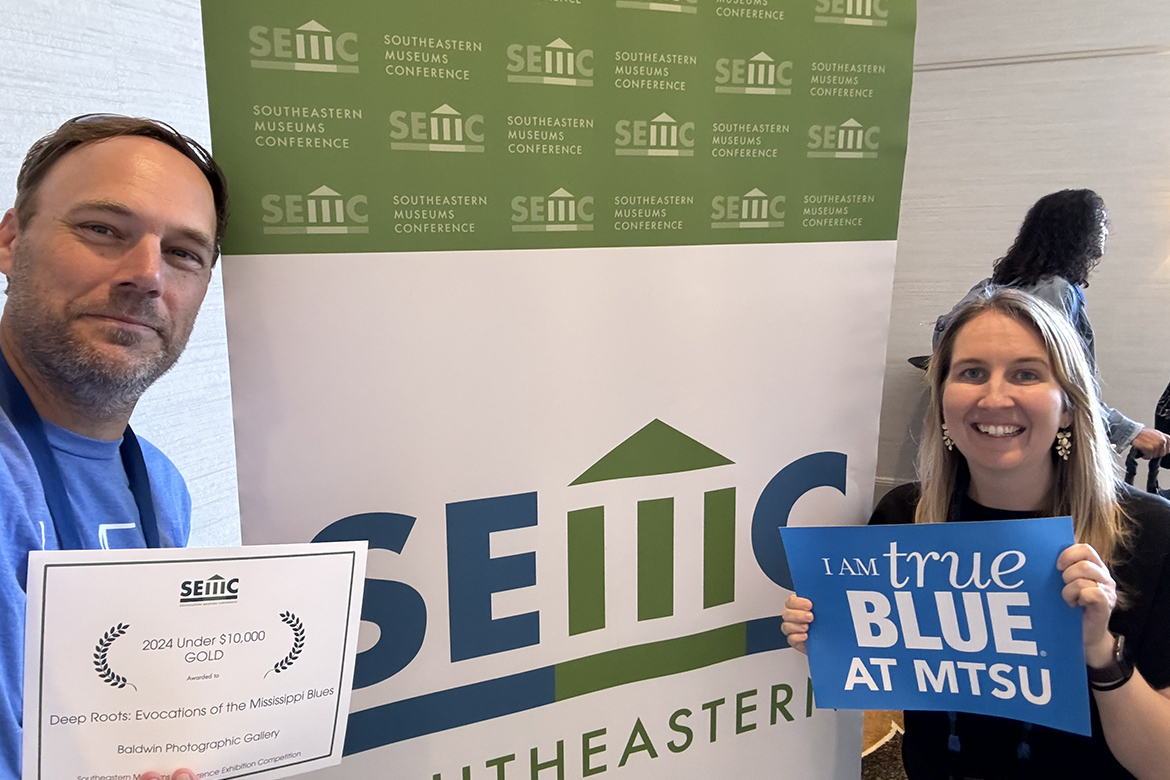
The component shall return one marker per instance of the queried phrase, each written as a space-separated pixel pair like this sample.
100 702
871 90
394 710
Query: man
108 253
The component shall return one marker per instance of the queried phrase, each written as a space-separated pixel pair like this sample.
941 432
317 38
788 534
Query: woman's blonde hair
1086 485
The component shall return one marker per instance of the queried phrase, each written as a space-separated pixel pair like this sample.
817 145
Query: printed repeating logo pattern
849 141
662 136
310 47
753 209
760 75
555 63
667 6
867 13
559 212
479 128
322 211
442 130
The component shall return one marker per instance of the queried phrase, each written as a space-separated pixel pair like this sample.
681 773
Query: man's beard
70 364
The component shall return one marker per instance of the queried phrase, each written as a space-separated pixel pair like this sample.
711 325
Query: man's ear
9 228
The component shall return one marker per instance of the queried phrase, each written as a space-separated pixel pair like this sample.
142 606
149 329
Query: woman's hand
178 774
1088 584
796 616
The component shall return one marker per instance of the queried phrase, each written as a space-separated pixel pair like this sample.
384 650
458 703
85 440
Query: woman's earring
948 442
1063 443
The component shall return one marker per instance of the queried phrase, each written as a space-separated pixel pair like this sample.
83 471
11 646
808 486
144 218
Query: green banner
465 124
571 457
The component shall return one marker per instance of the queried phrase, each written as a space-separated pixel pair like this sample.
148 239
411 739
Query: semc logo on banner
944 616
475 576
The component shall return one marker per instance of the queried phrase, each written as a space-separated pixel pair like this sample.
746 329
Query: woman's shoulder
1150 512
1057 291
1148 546
897 506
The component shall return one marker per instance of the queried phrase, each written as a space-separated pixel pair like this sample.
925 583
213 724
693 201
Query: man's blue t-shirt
99 491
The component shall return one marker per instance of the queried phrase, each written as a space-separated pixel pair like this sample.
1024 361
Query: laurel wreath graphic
298 629
100 662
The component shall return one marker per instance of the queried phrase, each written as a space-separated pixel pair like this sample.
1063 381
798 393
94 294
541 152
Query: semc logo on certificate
213 589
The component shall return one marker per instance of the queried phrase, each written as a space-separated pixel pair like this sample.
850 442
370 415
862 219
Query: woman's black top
990 747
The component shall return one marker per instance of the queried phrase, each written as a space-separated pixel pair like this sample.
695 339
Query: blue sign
966 617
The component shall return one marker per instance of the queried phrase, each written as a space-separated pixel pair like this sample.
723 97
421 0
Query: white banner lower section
570 465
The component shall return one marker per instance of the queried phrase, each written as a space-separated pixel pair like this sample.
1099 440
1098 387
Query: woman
1059 244
1013 430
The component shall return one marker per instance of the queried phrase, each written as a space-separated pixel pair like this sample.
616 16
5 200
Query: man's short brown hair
88 128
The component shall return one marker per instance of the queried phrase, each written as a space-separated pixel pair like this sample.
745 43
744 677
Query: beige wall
1013 100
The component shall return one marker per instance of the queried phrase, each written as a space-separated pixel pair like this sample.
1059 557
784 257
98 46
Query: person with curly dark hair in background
1059 244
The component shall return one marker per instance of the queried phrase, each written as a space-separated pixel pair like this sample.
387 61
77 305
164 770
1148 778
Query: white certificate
231 662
